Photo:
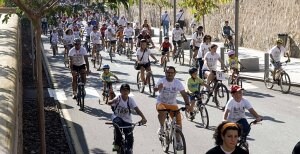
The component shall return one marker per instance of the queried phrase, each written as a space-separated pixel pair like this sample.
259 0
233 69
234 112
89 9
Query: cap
235 88
125 86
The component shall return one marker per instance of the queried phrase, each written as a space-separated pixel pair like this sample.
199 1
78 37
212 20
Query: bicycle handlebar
254 122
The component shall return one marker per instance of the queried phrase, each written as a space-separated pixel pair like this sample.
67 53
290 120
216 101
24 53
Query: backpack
114 108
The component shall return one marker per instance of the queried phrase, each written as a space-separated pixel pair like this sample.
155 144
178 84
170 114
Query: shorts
196 48
69 46
146 66
78 68
113 42
128 40
177 42
161 106
193 96
98 47
276 65
164 53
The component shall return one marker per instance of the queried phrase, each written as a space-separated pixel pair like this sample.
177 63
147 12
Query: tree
35 10
202 7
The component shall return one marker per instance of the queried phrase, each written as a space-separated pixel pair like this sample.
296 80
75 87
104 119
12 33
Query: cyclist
177 35
275 56
165 47
128 33
137 29
68 40
76 32
120 37
146 26
78 62
110 35
210 63
102 30
144 35
96 39
196 41
233 62
122 21
168 88
105 77
142 58
88 29
226 138
193 85
235 109
122 116
227 31
204 48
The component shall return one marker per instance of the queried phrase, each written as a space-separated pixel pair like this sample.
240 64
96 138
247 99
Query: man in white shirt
110 35
197 38
177 35
165 20
122 21
180 18
128 34
96 39
275 56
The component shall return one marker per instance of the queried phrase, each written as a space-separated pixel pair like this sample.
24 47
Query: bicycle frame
80 91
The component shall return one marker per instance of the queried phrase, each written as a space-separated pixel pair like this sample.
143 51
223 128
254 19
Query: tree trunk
39 84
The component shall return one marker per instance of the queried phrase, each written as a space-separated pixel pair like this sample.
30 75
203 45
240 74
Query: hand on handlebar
143 122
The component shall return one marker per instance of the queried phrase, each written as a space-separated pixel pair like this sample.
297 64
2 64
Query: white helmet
231 52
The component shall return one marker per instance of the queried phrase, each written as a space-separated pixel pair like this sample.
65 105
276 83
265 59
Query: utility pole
237 28
140 12
174 12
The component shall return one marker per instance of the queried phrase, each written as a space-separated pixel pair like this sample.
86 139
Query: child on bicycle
193 85
165 47
121 106
235 109
105 77
233 63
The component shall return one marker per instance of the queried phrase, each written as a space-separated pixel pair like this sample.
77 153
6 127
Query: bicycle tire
179 132
151 86
267 80
191 58
139 83
204 115
244 145
229 80
221 98
181 57
285 81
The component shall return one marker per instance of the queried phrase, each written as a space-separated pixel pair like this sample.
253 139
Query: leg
129 137
74 82
143 74
200 62
245 126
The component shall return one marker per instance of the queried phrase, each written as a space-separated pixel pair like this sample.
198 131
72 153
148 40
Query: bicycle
80 91
128 51
123 149
199 108
238 80
87 44
172 133
242 143
179 55
107 95
219 93
66 53
150 82
120 48
281 77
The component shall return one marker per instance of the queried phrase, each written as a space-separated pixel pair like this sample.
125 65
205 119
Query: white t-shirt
76 34
121 108
177 33
95 37
197 38
204 48
211 60
78 56
276 53
139 55
69 39
128 32
180 16
88 30
54 38
237 109
169 92
110 35
122 22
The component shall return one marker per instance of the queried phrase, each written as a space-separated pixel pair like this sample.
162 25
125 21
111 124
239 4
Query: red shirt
166 45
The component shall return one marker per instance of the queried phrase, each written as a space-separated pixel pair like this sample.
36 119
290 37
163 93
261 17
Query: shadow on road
97 113
98 151
256 94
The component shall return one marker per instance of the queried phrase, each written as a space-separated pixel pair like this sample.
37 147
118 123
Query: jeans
166 28
246 127
127 131
200 62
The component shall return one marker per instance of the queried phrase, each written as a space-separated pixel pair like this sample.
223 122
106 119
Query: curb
293 84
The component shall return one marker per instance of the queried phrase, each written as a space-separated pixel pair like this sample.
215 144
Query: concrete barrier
11 87
251 64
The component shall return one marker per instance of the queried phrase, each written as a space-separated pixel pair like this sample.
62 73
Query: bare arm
139 112
254 113
185 97
87 64
225 115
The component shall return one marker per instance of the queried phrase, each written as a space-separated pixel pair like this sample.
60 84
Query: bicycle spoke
285 83
179 145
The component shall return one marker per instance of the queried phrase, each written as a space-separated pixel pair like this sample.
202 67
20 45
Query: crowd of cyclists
102 32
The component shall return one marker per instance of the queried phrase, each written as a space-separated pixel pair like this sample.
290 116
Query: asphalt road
277 134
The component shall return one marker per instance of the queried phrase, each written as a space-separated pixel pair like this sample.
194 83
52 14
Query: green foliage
202 7
159 3
19 12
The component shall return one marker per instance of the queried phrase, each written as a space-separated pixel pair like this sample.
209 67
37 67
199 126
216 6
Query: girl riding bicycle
105 77
233 63
121 106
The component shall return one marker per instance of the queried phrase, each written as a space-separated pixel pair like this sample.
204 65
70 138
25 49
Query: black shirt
218 150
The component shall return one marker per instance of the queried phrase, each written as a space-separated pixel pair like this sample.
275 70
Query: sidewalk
292 68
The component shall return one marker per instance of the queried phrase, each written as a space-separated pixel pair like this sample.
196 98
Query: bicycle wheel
268 80
181 57
140 83
229 80
179 145
222 96
191 58
204 115
285 82
151 86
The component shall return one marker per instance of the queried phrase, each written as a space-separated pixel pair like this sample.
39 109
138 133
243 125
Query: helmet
177 24
105 66
192 70
279 41
166 37
125 86
231 52
143 40
77 41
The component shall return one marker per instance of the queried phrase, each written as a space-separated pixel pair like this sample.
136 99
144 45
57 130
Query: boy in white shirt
128 33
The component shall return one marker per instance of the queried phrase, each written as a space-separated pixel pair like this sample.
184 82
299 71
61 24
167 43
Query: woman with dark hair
226 138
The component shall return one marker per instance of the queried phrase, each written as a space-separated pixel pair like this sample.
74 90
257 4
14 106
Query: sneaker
179 146
115 148
160 131
74 96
